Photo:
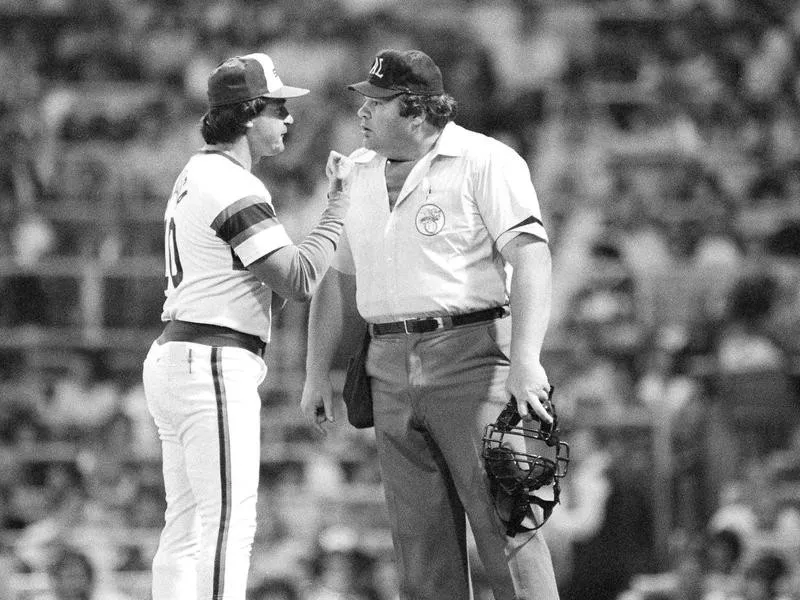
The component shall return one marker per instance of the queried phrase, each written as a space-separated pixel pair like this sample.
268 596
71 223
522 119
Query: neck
418 148
237 150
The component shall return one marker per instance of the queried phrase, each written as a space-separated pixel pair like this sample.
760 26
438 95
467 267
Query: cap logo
377 68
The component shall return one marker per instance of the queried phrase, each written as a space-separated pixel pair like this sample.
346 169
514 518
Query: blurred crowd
663 138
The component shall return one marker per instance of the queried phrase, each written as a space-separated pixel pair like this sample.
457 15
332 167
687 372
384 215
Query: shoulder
489 149
478 148
224 179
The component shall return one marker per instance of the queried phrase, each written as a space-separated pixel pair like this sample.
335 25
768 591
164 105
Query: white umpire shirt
437 251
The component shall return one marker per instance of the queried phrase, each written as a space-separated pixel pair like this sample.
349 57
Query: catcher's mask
514 473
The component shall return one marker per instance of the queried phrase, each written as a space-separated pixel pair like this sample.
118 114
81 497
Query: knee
169 555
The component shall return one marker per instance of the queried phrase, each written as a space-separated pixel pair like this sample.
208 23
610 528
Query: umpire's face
265 135
384 130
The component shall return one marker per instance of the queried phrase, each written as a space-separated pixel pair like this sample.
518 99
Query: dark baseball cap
243 78
395 72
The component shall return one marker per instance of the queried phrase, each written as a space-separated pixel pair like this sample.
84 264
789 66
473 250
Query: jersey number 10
174 270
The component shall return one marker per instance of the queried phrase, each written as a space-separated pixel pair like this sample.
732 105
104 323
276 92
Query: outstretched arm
294 271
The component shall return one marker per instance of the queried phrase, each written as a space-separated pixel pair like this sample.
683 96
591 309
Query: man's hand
317 403
339 171
529 385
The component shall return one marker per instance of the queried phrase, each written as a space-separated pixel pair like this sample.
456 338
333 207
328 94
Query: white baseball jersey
437 251
218 220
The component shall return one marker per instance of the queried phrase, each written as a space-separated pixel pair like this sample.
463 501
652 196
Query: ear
418 120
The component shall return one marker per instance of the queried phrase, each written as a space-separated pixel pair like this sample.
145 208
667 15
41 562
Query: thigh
426 515
205 400
458 409
218 424
465 391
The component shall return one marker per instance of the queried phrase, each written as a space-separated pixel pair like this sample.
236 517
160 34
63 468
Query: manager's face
268 129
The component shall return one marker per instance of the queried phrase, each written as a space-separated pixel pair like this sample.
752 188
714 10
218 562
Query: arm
331 321
295 271
530 312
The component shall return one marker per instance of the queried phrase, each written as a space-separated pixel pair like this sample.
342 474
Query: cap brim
365 88
287 91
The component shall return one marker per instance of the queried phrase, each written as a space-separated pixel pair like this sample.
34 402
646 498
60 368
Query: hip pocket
499 333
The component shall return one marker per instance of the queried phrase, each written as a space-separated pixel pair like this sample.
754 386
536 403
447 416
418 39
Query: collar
448 144
363 156
222 153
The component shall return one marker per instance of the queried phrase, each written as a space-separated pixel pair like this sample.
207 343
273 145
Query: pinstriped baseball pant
433 395
205 403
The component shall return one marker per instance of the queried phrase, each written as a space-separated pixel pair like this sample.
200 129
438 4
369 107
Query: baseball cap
243 78
396 72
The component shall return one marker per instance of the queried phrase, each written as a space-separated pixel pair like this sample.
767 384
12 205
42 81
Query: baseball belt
428 324
211 335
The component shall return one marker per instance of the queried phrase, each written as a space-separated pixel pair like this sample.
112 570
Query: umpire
440 216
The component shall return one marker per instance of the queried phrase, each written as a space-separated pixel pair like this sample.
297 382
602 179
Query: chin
272 152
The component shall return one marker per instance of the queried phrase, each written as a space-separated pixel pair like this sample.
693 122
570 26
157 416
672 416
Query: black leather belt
211 335
426 324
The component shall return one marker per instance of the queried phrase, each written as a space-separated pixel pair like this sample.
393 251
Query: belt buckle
440 322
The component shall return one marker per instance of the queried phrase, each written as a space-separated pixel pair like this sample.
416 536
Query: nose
289 119
363 112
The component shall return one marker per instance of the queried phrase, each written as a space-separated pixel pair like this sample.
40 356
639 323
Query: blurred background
663 140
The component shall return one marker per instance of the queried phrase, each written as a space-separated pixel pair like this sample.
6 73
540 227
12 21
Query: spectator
584 497
66 508
6 571
666 384
764 577
145 441
724 551
22 390
274 588
146 508
73 576
743 342
340 569
83 398
625 532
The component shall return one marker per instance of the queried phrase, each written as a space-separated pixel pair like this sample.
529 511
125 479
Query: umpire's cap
395 72
243 78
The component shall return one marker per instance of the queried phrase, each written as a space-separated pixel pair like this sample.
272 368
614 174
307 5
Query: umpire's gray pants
433 394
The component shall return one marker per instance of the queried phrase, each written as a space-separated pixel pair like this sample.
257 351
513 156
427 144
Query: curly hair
438 110
224 124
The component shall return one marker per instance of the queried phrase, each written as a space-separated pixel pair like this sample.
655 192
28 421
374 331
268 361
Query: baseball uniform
203 396
436 254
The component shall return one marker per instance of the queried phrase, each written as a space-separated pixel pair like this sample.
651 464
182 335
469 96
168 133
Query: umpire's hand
527 382
317 402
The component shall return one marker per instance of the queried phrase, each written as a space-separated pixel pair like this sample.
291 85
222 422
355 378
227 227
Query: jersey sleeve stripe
240 216
256 246
529 221
254 229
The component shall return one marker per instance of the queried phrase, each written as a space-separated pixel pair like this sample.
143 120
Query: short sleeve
506 197
251 227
